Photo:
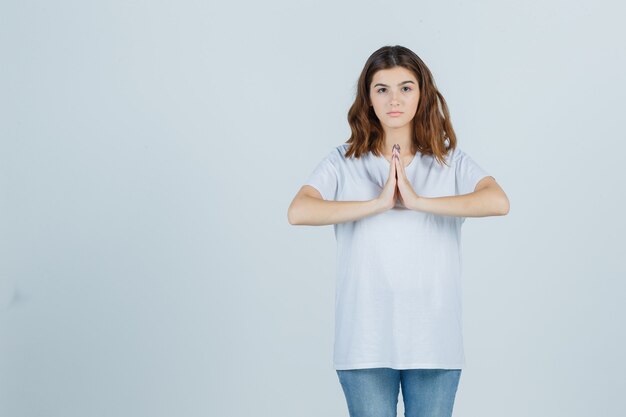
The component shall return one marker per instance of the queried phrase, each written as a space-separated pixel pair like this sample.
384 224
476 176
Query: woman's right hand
389 194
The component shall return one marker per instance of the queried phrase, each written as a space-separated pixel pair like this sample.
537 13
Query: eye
408 88
379 90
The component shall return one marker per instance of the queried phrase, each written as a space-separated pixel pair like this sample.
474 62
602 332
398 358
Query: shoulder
341 150
456 155
337 157
338 154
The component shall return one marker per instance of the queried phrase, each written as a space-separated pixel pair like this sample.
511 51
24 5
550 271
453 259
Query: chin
396 123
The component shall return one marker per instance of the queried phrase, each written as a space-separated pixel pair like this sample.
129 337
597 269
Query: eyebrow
385 85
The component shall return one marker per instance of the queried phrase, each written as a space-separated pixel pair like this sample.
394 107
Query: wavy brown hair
431 124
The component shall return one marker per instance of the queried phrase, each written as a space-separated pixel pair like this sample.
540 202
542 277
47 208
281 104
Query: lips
394 113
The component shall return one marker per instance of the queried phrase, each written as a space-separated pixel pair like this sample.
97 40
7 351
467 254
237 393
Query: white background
149 152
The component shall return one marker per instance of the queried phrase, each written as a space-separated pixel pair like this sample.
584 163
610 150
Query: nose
394 98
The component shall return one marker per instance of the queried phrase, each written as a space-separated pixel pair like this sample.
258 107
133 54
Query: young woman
397 192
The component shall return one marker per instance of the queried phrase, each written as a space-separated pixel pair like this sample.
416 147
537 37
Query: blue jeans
373 392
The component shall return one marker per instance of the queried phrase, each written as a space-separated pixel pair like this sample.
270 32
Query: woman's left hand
407 196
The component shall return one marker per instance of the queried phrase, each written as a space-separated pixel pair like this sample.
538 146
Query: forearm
480 203
312 211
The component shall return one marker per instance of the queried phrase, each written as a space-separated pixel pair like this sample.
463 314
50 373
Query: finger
398 163
392 175
400 168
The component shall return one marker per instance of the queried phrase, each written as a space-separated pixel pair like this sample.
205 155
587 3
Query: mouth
394 113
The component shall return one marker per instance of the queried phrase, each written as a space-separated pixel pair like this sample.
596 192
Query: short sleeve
324 178
468 173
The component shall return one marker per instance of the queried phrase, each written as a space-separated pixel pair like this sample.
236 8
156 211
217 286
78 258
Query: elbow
292 217
504 206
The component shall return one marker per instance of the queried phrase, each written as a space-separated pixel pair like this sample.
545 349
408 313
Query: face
394 90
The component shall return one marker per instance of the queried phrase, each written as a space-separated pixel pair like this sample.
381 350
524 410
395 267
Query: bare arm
487 199
309 208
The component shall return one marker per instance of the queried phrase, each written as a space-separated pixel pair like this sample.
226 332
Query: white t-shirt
398 277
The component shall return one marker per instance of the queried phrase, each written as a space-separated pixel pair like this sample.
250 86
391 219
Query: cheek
377 106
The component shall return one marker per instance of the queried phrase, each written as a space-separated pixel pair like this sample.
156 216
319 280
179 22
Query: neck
400 136
406 146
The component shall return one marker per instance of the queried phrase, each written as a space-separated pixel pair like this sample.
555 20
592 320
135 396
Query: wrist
417 203
376 205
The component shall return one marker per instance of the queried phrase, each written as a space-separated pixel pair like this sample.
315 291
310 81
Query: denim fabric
373 392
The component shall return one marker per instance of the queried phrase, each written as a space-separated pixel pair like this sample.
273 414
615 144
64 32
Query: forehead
393 76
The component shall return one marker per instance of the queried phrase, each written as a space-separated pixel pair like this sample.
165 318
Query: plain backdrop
149 152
